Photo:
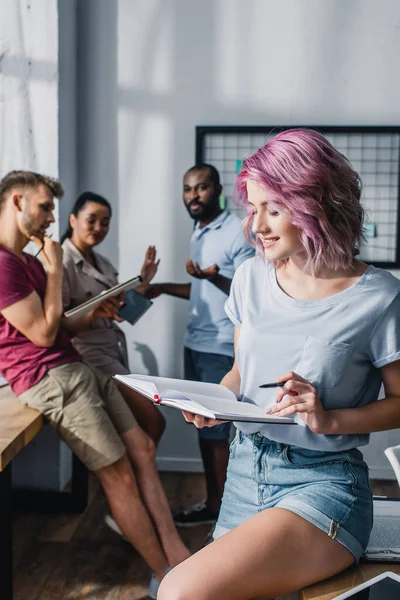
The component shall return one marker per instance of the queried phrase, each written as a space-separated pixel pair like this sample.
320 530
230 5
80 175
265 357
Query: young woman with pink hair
297 505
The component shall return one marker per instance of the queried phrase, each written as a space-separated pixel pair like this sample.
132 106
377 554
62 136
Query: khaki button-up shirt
103 344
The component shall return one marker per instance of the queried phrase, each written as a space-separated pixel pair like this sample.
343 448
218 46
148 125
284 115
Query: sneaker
112 524
155 584
198 514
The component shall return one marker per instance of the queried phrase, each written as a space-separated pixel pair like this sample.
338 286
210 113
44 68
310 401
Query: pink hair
316 188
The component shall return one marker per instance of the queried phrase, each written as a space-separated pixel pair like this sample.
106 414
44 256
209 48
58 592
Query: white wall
29 86
29 139
67 107
154 69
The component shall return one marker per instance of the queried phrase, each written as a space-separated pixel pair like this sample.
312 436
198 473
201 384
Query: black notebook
135 305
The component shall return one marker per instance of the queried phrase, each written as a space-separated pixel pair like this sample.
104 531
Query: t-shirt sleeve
14 284
385 337
241 250
234 304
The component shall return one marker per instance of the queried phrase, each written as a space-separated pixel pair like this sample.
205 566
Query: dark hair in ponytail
80 202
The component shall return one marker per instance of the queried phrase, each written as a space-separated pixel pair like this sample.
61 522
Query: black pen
39 251
273 385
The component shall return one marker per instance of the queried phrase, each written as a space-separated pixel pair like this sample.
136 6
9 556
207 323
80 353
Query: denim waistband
258 439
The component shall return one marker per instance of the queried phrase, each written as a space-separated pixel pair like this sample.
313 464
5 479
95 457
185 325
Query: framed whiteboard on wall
373 152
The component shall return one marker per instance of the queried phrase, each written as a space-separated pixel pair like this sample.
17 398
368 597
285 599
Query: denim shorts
331 490
209 367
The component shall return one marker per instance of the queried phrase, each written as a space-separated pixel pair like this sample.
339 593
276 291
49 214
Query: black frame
203 130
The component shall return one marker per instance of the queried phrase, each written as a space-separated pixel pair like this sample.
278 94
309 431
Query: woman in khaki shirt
86 274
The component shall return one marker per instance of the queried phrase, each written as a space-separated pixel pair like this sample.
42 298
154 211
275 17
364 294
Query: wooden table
330 588
18 426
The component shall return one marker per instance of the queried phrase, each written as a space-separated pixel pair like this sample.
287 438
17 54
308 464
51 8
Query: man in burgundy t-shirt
22 363
44 370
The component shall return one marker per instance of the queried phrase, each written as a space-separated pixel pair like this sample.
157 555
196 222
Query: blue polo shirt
222 242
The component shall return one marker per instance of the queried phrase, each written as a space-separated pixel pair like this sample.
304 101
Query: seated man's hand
194 270
50 253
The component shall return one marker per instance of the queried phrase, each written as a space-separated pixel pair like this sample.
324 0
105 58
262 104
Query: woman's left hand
199 421
150 266
109 308
299 396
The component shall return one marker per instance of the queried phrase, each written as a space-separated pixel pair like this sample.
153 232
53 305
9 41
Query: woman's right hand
200 421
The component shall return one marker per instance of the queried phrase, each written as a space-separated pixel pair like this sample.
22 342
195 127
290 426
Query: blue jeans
209 367
329 489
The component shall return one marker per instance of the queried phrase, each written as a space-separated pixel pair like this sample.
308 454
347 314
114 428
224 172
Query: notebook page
144 385
219 406
188 388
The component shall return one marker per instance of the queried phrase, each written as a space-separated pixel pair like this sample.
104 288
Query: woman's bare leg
147 415
272 554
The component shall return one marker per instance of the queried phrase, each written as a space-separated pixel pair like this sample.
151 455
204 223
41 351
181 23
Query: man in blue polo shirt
217 248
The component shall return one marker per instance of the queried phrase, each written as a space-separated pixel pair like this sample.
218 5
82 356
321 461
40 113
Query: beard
30 227
199 211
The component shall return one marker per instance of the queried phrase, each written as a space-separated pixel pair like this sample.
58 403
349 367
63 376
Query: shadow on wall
27 82
148 358
148 72
176 105
97 108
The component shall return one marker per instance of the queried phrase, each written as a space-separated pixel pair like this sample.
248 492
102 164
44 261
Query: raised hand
150 266
50 253
194 270
299 396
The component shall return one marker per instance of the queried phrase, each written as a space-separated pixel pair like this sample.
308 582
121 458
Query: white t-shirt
338 343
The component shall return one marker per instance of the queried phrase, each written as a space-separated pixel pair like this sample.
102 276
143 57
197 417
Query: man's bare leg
118 482
141 451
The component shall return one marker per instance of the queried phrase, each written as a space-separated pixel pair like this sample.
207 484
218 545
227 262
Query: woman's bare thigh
272 554
147 415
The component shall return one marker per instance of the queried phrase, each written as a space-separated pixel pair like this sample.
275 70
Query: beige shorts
86 409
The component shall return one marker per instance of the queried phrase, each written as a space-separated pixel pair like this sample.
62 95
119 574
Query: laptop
385 586
384 542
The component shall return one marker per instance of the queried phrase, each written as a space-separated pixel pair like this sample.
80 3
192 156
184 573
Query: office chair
393 455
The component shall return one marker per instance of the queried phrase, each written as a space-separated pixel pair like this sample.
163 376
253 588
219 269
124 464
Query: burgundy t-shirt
22 363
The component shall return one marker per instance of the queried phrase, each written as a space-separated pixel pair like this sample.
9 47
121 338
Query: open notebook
210 400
